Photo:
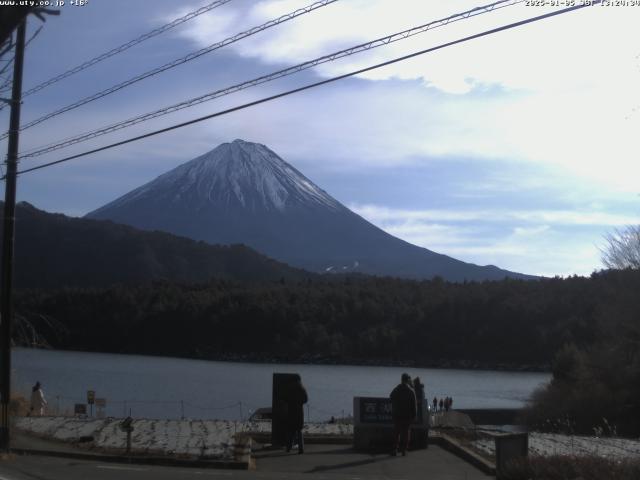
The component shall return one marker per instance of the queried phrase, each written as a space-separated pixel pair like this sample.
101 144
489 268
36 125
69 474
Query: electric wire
37 151
125 46
317 84
10 61
5 84
6 65
187 58
6 46
33 36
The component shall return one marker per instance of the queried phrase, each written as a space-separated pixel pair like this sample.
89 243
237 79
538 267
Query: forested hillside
511 323
54 250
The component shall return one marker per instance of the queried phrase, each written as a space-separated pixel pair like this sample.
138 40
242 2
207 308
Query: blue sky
518 150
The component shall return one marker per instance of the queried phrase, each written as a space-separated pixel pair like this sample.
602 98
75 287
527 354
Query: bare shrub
562 467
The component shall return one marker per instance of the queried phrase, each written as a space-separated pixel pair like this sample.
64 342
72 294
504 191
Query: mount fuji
242 192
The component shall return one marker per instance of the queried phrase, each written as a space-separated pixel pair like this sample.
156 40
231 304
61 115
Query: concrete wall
492 416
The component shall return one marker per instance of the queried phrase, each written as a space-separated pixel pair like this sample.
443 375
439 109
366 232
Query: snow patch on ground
216 438
546 444
201 438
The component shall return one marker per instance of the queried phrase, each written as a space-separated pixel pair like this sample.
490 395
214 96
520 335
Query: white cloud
543 242
566 86
377 214
208 28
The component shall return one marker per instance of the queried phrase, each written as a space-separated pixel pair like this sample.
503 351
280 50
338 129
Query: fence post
510 447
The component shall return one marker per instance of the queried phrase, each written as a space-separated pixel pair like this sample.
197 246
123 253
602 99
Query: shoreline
444 364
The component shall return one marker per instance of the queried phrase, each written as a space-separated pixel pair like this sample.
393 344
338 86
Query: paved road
340 461
320 462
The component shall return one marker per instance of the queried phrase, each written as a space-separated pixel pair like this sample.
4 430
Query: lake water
156 387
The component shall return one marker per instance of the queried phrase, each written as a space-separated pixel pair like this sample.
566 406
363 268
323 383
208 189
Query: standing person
296 398
403 411
435 404
441 404
418 389
38 402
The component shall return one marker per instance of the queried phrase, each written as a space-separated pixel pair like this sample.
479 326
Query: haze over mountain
242 192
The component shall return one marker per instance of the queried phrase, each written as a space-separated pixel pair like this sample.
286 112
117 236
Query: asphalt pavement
340 461
319 462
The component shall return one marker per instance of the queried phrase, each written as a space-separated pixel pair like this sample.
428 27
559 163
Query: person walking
296 398
403 412
38 402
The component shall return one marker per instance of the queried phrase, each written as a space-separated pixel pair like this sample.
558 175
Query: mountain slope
53 250
242 192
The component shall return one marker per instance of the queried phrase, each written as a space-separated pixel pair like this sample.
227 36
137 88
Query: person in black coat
404 412
296 398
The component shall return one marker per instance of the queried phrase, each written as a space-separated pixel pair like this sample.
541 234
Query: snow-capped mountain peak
237 174
242 192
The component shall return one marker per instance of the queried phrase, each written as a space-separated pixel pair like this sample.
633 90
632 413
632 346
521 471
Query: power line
6 46
125 46
5 84
270 77
317 84
4 49
33 36
187 58
6 66
10 61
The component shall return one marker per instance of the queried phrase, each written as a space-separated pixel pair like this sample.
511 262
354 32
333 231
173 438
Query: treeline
506 324
594 391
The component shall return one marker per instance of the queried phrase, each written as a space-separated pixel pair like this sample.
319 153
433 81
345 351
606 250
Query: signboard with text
375 410
373 424
378 410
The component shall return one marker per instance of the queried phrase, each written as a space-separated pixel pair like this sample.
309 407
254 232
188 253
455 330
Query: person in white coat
38 402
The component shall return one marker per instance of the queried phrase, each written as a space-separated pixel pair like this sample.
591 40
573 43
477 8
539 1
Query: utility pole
6 306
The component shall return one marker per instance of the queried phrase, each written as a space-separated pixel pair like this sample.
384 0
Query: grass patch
564 467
